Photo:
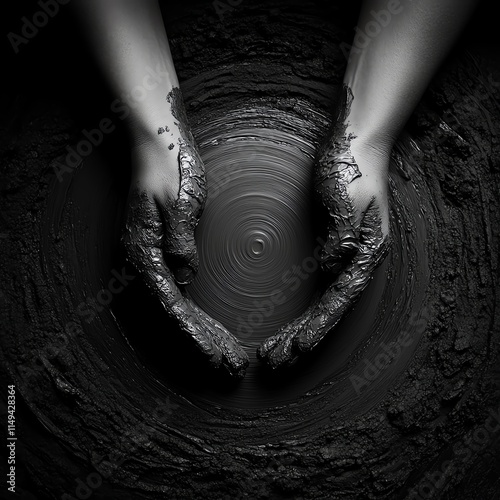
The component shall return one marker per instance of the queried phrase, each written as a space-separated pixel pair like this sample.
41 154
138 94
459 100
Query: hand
159 241
356 204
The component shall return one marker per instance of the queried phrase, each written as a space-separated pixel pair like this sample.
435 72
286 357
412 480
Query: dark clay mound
400 401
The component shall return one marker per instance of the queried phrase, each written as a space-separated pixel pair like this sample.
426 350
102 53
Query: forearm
394 58
129 41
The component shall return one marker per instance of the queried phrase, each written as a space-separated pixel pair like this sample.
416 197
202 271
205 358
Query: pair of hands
159 241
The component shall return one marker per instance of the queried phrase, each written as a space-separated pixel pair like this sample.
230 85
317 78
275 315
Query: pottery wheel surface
255 237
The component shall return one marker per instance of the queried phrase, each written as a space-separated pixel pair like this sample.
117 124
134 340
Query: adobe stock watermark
291 281
86 309
223 7
462 452
372 29
31 27
107 465
122 108
389 352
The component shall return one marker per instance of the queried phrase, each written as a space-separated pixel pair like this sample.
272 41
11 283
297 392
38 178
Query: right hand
162 214
351 186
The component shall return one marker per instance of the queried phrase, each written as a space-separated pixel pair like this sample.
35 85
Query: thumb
342 244
179 245
181 217
336 169
343 227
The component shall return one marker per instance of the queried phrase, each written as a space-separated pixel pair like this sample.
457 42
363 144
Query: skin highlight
384 81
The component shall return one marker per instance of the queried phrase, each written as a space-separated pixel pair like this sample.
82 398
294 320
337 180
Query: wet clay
143 239
159 237
355 247
406 387
181 216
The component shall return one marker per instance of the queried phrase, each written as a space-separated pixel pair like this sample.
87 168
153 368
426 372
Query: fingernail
184 275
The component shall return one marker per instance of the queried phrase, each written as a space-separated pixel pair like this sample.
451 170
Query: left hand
166 200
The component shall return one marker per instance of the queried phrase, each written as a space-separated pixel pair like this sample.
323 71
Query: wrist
372 157
156 169
153 151
146 128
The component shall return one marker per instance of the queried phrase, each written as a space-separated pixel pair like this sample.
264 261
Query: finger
179 245
277 351
142 239
342 243
335 170
181 217
340 297
233 357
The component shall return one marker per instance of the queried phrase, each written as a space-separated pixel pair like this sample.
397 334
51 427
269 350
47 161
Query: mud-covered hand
356 207
158 237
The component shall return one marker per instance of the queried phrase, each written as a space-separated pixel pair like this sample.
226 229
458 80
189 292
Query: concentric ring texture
257 243
255 237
